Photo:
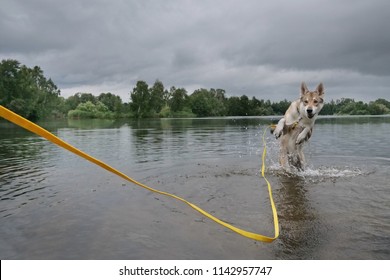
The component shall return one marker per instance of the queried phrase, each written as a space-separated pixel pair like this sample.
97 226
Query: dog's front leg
304 135
279 128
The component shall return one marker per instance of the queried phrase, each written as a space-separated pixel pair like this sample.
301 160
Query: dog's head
311 101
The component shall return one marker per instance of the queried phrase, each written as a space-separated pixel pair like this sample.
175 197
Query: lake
55 205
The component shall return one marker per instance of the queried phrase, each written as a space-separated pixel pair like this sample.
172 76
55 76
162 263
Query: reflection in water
299 223
92 123
169 140
147 141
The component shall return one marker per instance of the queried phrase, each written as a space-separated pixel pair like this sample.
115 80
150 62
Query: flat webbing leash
30 126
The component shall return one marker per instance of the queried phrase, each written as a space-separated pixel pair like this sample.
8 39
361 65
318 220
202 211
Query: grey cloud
259 48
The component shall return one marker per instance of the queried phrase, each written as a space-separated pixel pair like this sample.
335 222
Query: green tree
281 107
87 107
157 96
72 102
233 106
179 99
218 93
244 105
141 100
89 110
239 106
112 101
199 103
168 95
261 108
10 88
383 102
360 108
329 108
27 91
204 103
345 105
378 108
85 97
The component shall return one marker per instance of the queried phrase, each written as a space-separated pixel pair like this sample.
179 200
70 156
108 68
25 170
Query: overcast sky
258 48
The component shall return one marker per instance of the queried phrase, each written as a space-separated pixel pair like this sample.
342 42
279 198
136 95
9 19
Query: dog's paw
300 139
278 132
304 136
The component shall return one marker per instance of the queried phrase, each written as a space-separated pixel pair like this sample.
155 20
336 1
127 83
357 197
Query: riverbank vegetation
29 93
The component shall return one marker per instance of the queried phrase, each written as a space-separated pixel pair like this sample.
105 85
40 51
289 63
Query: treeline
348 106
29 93
155 101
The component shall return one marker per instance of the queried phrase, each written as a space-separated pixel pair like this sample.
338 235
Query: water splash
320 174
331 172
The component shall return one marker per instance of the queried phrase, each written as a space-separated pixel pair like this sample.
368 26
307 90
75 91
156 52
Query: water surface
55 205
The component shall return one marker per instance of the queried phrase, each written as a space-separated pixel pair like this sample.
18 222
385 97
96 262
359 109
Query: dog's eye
315 101
306 101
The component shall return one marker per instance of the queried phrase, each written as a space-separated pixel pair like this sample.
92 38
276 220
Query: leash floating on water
32 127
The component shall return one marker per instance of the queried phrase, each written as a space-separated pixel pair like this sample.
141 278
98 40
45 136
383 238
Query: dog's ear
303 88
320 89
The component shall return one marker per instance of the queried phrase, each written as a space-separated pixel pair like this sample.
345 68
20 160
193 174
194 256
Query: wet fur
296 127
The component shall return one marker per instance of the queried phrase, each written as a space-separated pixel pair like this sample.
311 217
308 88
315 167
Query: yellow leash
26 124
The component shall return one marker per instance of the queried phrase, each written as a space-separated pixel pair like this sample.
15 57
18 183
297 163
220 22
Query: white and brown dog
297 125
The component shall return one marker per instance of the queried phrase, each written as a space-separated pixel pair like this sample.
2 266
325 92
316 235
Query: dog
296 127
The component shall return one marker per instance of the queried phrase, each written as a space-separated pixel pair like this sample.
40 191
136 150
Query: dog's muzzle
310 113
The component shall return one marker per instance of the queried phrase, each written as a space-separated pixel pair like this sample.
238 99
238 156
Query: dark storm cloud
257 48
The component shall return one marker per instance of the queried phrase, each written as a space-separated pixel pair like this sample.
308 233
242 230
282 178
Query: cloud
258 48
